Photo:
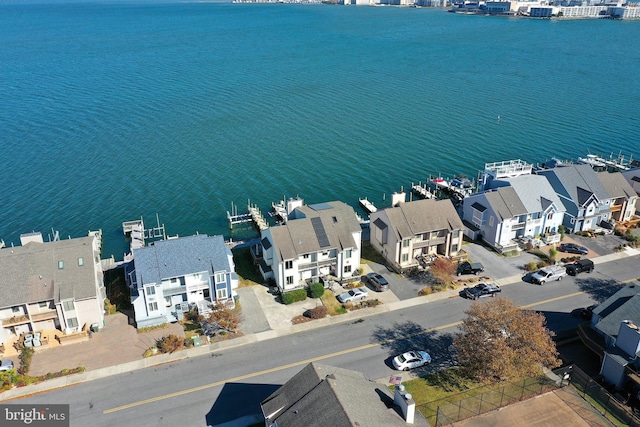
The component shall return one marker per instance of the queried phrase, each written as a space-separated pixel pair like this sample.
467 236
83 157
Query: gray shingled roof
298 236
633 179
322 395
421 216
30 273
505 203
580 181
535 192
165 259
616 184
623 305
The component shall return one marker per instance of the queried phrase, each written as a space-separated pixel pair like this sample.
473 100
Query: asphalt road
220 388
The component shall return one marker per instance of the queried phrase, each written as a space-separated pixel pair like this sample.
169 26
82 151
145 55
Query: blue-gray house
175 275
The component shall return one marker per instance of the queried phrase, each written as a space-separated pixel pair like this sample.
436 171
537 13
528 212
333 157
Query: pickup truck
580 266
481 290
470 268
546 274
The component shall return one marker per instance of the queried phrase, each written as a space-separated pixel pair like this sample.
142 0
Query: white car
411 359
6 365
353 295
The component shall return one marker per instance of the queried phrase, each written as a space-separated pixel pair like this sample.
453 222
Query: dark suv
470 268
580 266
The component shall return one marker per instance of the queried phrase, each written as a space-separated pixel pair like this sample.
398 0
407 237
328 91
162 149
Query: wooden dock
367 205
253 215
422 191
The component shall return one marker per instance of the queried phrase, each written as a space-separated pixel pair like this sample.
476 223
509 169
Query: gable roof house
498 215
322 395
617 320
545 211
56 285
623 203
318 240
404 233
586 200
172 276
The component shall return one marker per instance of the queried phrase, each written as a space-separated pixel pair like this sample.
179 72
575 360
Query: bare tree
498 341
224 318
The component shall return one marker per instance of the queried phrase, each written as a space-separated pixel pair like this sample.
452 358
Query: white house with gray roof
498 215
56 285
545 211
175 275
404 233
586 200
318 240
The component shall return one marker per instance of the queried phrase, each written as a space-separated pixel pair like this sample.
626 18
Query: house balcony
519 226
430 242
176 290
44 315
15 320
323 263
615 208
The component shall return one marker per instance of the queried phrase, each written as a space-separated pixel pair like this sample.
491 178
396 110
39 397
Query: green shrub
170 343
531 266
25 360
108 307
316 290
294 296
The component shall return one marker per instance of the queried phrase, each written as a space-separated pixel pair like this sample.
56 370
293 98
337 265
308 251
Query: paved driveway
497 266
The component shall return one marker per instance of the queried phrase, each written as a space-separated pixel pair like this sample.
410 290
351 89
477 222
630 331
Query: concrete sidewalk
269 319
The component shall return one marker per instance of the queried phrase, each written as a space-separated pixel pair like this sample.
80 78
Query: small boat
367 205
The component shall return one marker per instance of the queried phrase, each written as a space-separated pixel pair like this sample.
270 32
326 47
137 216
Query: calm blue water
111 110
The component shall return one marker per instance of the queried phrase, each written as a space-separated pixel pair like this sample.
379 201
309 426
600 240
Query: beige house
404 233
50 289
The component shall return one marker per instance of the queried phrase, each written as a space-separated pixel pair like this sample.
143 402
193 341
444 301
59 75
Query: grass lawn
369 255
333 306
247 272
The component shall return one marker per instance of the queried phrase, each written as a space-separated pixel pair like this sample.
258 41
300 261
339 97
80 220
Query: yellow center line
304 362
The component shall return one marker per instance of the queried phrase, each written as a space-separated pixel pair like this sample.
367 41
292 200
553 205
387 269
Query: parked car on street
547 274
354 294
411 360
378 282
470 268
6 365
572 248
481 290
580 266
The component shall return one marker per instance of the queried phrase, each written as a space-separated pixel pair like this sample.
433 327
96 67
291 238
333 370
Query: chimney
406 403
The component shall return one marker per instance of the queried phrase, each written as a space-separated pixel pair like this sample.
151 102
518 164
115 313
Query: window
456 234
174 280
491 221
405 257
153 306
15 309
43 304
288 265
221 293
220 278
68 305
151 290
454 248
72 322
80 261
348 253
405 243
167 301
347 269
289 280
60 265
305 256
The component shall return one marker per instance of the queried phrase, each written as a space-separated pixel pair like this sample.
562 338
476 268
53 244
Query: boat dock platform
135 231
253 215
422 191
367 205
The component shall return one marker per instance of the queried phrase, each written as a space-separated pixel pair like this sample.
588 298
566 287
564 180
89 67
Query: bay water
113 110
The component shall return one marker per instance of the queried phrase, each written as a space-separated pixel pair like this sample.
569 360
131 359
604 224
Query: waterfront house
323 395
170 277
617 335
318 240
623 196
408 231
544 210
498 216
586 200
50 290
